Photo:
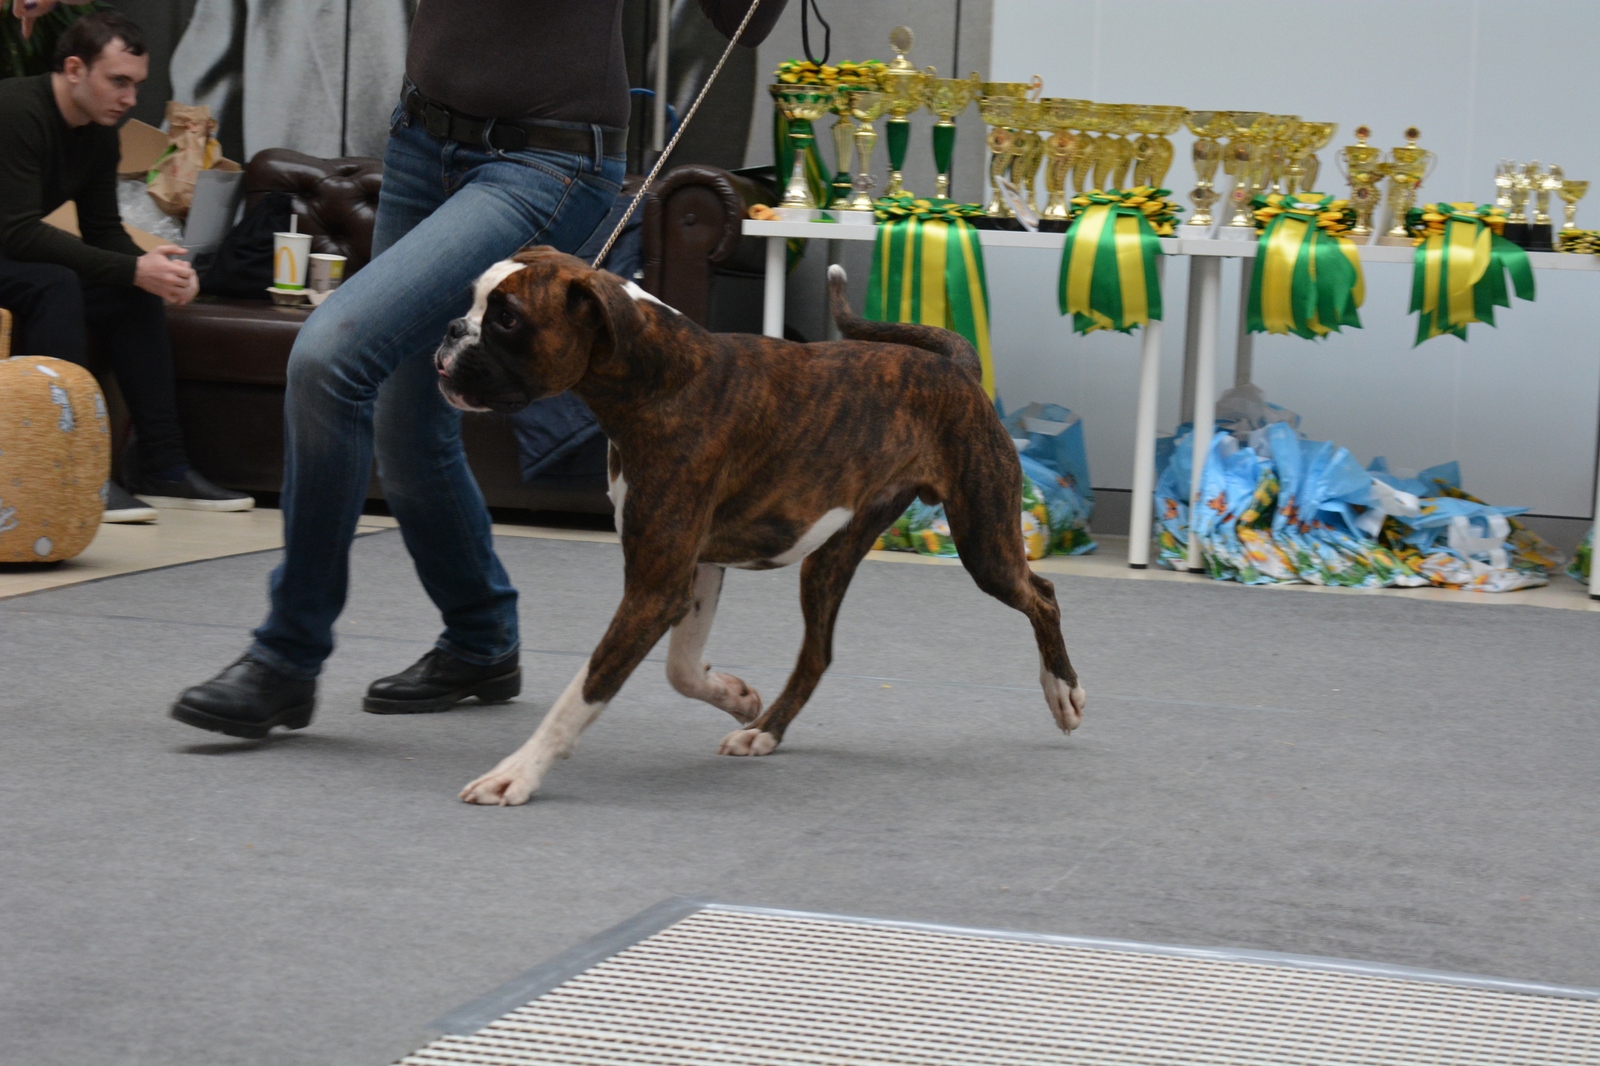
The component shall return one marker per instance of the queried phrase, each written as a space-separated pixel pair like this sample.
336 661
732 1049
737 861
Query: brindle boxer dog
736 450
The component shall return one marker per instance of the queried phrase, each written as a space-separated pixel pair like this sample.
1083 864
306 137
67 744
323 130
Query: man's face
107 89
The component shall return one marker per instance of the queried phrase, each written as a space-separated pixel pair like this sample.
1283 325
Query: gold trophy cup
1206 126
1025 171
866 105
1152 152
801 105
903 84
1061 117
1096 119
844 131
1571 192
1364 170
1408 168
1307 140
1005 146
1116 151
1240 161
946 98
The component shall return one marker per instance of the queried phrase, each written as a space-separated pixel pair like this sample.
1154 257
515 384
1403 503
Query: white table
1203 320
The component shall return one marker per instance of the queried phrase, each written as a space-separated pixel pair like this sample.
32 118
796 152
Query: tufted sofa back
336 199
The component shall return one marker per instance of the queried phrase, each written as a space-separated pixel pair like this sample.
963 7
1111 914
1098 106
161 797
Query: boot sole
296 717
493 690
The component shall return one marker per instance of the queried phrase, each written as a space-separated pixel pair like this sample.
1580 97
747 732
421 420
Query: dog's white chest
809 541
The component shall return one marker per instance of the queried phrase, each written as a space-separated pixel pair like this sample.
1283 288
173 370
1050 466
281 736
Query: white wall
1518 404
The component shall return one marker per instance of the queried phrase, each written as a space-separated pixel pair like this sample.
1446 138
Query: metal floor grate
735 986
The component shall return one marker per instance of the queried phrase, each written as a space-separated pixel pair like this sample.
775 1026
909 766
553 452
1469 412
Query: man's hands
171 279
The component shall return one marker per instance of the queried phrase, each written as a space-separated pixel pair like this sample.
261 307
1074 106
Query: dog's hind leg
824 578
984 522
692 675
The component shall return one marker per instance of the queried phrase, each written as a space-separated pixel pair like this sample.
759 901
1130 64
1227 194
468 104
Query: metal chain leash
667 151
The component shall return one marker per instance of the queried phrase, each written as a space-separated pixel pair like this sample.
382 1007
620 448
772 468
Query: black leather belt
509 135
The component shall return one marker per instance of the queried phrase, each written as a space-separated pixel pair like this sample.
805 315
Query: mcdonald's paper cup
327 271
291 256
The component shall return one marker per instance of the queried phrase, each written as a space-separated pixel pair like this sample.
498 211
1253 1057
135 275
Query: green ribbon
1460 268
1307 278
1108 277
927 267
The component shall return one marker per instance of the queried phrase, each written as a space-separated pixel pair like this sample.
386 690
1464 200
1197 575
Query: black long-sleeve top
43 163
556 60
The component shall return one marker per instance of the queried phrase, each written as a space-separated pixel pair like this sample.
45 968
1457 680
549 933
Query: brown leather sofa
230 356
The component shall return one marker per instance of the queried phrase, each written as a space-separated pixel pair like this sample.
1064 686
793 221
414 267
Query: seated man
58 142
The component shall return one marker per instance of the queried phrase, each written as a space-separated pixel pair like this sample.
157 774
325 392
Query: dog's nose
457 330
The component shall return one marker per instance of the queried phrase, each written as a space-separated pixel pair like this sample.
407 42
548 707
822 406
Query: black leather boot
247 700
438 681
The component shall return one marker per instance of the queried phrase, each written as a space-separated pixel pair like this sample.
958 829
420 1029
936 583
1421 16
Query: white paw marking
518 775
748 742
1067 704
640 296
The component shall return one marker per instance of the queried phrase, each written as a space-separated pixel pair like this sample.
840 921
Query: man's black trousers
56 314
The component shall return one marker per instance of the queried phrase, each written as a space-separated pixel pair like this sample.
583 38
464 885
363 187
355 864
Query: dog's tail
929 338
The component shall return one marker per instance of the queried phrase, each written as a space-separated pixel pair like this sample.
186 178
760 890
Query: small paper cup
327 271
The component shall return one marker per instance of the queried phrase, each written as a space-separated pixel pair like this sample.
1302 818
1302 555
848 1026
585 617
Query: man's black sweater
43 163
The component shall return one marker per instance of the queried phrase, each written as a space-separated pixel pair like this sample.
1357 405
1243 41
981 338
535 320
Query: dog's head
539 321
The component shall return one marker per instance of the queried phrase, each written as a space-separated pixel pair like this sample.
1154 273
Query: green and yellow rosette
1307 278
1461 267
927 267
1108 265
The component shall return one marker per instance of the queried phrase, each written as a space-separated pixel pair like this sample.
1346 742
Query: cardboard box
65 218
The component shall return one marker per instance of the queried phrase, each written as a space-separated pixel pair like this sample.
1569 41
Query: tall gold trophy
903 85
1571 192
1096 119
866 105
946 98
1115 155
1364 170
1062 117
1025 171
1206 126
1305 140
1408 168
844 132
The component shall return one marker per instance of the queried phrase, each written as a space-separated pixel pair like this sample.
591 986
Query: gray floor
1365 777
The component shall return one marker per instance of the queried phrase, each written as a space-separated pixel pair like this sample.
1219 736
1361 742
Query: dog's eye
506 320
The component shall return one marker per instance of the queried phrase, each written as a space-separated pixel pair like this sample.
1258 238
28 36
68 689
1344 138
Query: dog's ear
598 304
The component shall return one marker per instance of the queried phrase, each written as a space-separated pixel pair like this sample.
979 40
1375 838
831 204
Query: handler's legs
446 213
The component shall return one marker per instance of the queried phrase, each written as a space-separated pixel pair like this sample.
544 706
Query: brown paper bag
190 149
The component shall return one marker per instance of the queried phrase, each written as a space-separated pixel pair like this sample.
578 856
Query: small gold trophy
866 105
1240 161
1408 168
1504 178
1025 171
1308 138
1096 119
903 84
1152 152
1116 151
1364 170
946 98
1061 117
1003 105
1206 126
1571 192
801 105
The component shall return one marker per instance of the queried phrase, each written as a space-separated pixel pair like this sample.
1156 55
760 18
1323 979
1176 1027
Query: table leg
1141 515
1206 271
772 294
1244 352
1594 571
1191 337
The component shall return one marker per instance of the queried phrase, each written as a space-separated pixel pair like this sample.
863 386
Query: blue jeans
361 379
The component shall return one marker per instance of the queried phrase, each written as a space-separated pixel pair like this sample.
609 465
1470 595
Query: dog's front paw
504 786
748 742
736 697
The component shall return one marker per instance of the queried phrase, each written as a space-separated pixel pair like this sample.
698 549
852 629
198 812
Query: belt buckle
436 120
